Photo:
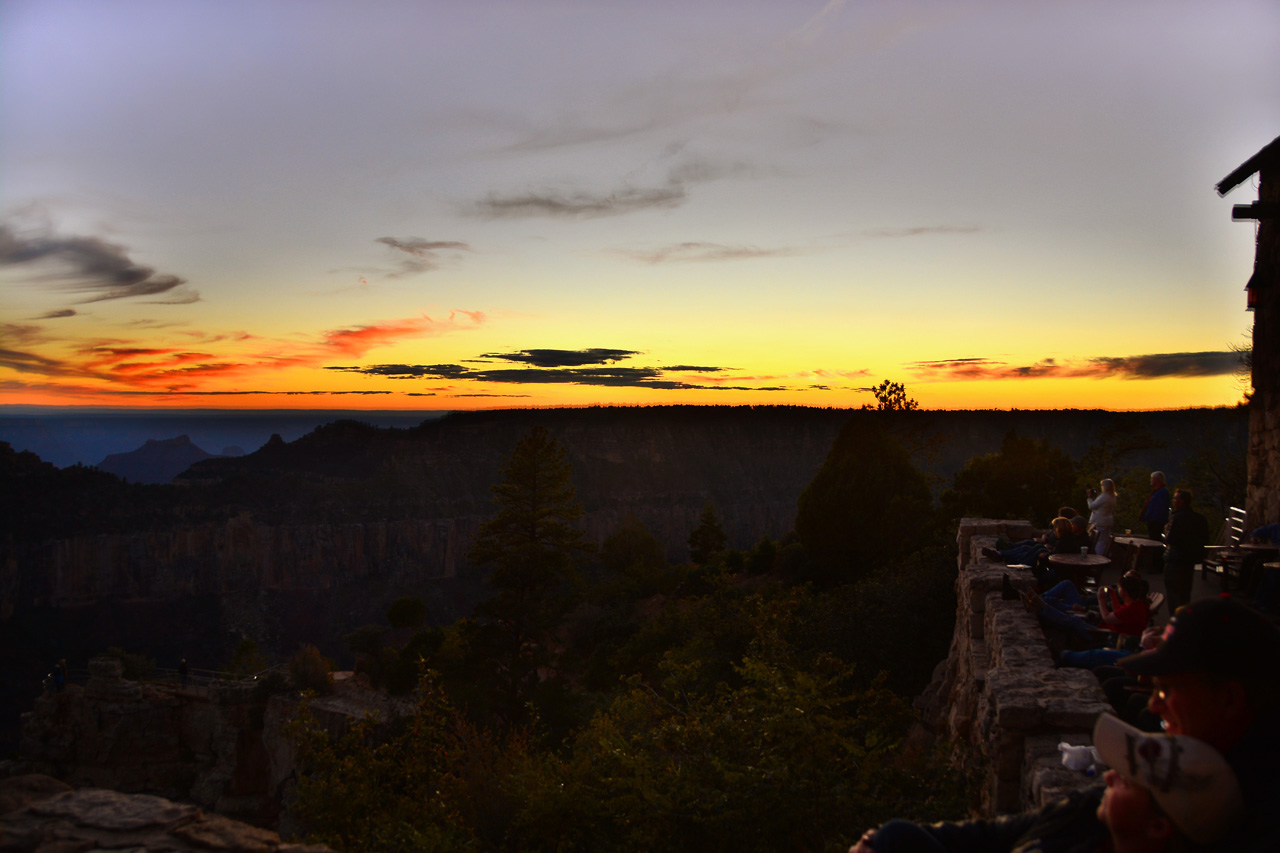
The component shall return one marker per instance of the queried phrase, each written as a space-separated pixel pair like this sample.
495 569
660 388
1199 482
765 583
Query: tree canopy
1028 478
867 505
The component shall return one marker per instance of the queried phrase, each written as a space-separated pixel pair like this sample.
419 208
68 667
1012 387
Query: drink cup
1084 551
1128 532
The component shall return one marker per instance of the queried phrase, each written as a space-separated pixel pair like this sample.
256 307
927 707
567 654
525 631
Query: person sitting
1161 793
1079 536
1029 550
1125 609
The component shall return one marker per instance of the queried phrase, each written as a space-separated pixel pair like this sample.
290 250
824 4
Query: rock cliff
38 813
223 745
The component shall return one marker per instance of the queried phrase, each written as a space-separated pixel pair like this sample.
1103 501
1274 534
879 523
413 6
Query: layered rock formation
999 690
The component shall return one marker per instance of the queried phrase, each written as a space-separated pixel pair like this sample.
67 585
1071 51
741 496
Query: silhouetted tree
867 505
407 612
892 397
632 559
532 544
531 547
1028 478
708 538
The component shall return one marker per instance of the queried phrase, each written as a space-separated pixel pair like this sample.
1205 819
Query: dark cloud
87 265
582 204
694 368
29 362
410 371
563 357
57 315
1173 364
21 332
614 377
1151 366
693 252
578 205
424 255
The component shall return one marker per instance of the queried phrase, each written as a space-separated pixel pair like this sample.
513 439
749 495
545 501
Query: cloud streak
578 205
585 204
596 366
693 252
121 365
1150 366
88 266
422 255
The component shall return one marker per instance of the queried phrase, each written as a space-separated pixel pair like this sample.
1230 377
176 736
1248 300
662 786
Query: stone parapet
999 689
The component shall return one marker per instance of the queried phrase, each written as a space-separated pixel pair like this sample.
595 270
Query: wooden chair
1225 558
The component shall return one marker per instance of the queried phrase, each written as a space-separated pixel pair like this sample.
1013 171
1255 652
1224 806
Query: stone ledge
1000 690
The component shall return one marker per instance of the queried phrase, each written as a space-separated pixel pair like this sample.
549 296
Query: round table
1080 566
1137 553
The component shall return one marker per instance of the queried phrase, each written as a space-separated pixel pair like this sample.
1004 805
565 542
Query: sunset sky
445 205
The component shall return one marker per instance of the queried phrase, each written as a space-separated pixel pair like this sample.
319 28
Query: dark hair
1185 494
1135 585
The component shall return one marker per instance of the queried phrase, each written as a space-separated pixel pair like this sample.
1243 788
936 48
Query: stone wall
999 690
1263 502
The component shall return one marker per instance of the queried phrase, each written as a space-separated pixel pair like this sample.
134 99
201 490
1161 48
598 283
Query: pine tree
708 537
532 545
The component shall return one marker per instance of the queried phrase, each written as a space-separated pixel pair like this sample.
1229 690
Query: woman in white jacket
1102 515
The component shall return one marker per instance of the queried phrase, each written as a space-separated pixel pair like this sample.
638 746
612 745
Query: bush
1027 479
136 667
310 670
407 612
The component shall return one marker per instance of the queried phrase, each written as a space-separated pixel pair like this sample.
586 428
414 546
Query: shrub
407 612
136 667
310 670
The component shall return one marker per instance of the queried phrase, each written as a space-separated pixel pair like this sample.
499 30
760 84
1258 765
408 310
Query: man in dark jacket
1185 538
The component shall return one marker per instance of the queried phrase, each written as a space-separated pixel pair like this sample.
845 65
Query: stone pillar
1263 502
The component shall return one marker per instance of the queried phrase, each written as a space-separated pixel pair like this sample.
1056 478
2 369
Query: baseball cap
1190 781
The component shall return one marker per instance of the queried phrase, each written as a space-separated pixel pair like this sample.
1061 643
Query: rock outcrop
999 690
223 746
38 813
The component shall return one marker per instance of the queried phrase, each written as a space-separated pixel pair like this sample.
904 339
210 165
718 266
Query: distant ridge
157 461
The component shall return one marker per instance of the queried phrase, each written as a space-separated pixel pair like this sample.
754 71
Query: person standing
1156 514
1102 515
1185 538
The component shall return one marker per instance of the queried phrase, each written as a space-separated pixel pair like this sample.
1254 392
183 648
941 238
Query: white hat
1190 780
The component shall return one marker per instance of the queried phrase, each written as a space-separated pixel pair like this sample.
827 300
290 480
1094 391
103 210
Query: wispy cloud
578 205
703 252
422 255
57 315
1151 366
670 192
89 266
124 364
920 231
